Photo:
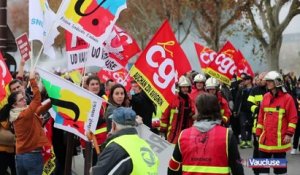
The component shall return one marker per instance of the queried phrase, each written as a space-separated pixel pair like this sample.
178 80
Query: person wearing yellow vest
206 147
125 152
277 119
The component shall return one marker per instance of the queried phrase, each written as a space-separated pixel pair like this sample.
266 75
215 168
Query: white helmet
211 83
199 78
184 81
276 77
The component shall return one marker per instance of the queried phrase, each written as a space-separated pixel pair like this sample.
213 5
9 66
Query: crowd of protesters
258 112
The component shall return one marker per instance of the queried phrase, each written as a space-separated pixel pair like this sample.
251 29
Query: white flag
41 25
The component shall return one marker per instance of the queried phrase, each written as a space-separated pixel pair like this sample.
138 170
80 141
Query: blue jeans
29 163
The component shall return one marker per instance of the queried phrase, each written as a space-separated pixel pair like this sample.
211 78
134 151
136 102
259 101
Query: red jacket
199 155
171 123
225 110
195 93
277 118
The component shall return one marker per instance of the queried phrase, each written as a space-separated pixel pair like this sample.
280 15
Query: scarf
14 113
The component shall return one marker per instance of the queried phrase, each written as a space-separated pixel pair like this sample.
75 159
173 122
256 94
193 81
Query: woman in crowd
30 136
93 85
117 98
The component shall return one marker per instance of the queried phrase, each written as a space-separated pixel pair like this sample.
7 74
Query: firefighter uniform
277 119
178 115
198 153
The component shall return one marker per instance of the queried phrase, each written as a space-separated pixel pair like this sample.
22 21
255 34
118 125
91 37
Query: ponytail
4 112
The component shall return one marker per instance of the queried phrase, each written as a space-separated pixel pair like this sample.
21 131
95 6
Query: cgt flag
120 76
205 56
91 20
223 66
76 109
242 64
118 48
158 67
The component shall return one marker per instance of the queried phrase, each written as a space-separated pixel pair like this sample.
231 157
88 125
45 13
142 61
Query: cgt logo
166 70
148 156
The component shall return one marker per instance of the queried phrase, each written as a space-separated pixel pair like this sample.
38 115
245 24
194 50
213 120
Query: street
293 163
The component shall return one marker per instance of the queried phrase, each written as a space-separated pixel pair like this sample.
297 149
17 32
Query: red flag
159 66
205 56
223 67
242 64
121 46
5 77
120 76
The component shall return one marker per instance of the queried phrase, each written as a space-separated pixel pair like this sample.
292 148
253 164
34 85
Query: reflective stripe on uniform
292 125
172 112
101 130
275 147
253 108
205 169
258 98
251 99
279 110
225 118
279 145
259 126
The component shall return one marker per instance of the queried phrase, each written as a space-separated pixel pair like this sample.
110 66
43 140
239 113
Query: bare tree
269 34
212 17
142 18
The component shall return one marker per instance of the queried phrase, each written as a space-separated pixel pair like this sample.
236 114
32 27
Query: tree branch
294 10
257 31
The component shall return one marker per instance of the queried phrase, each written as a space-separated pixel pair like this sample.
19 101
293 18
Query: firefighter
178 115
277 119
212 87
196 153
254 99
199 86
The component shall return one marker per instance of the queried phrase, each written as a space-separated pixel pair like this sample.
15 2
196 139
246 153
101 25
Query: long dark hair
4 112
208 107
112 90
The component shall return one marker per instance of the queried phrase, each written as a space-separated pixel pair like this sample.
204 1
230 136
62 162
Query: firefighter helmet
211 83
184 81
199 78
276 77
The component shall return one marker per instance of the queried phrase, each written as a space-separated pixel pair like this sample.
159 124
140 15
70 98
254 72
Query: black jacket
144 107
114 159
241 103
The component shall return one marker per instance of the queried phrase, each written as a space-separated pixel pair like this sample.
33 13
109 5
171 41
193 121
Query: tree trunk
272 55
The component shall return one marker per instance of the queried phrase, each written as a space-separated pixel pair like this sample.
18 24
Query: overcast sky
294 26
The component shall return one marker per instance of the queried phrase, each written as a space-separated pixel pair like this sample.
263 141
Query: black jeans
7 160
246 126
272 155
255 153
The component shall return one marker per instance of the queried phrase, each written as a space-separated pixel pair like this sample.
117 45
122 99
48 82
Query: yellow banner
149 88
217 75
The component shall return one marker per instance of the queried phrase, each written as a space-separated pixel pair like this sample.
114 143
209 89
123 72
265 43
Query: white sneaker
293 151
